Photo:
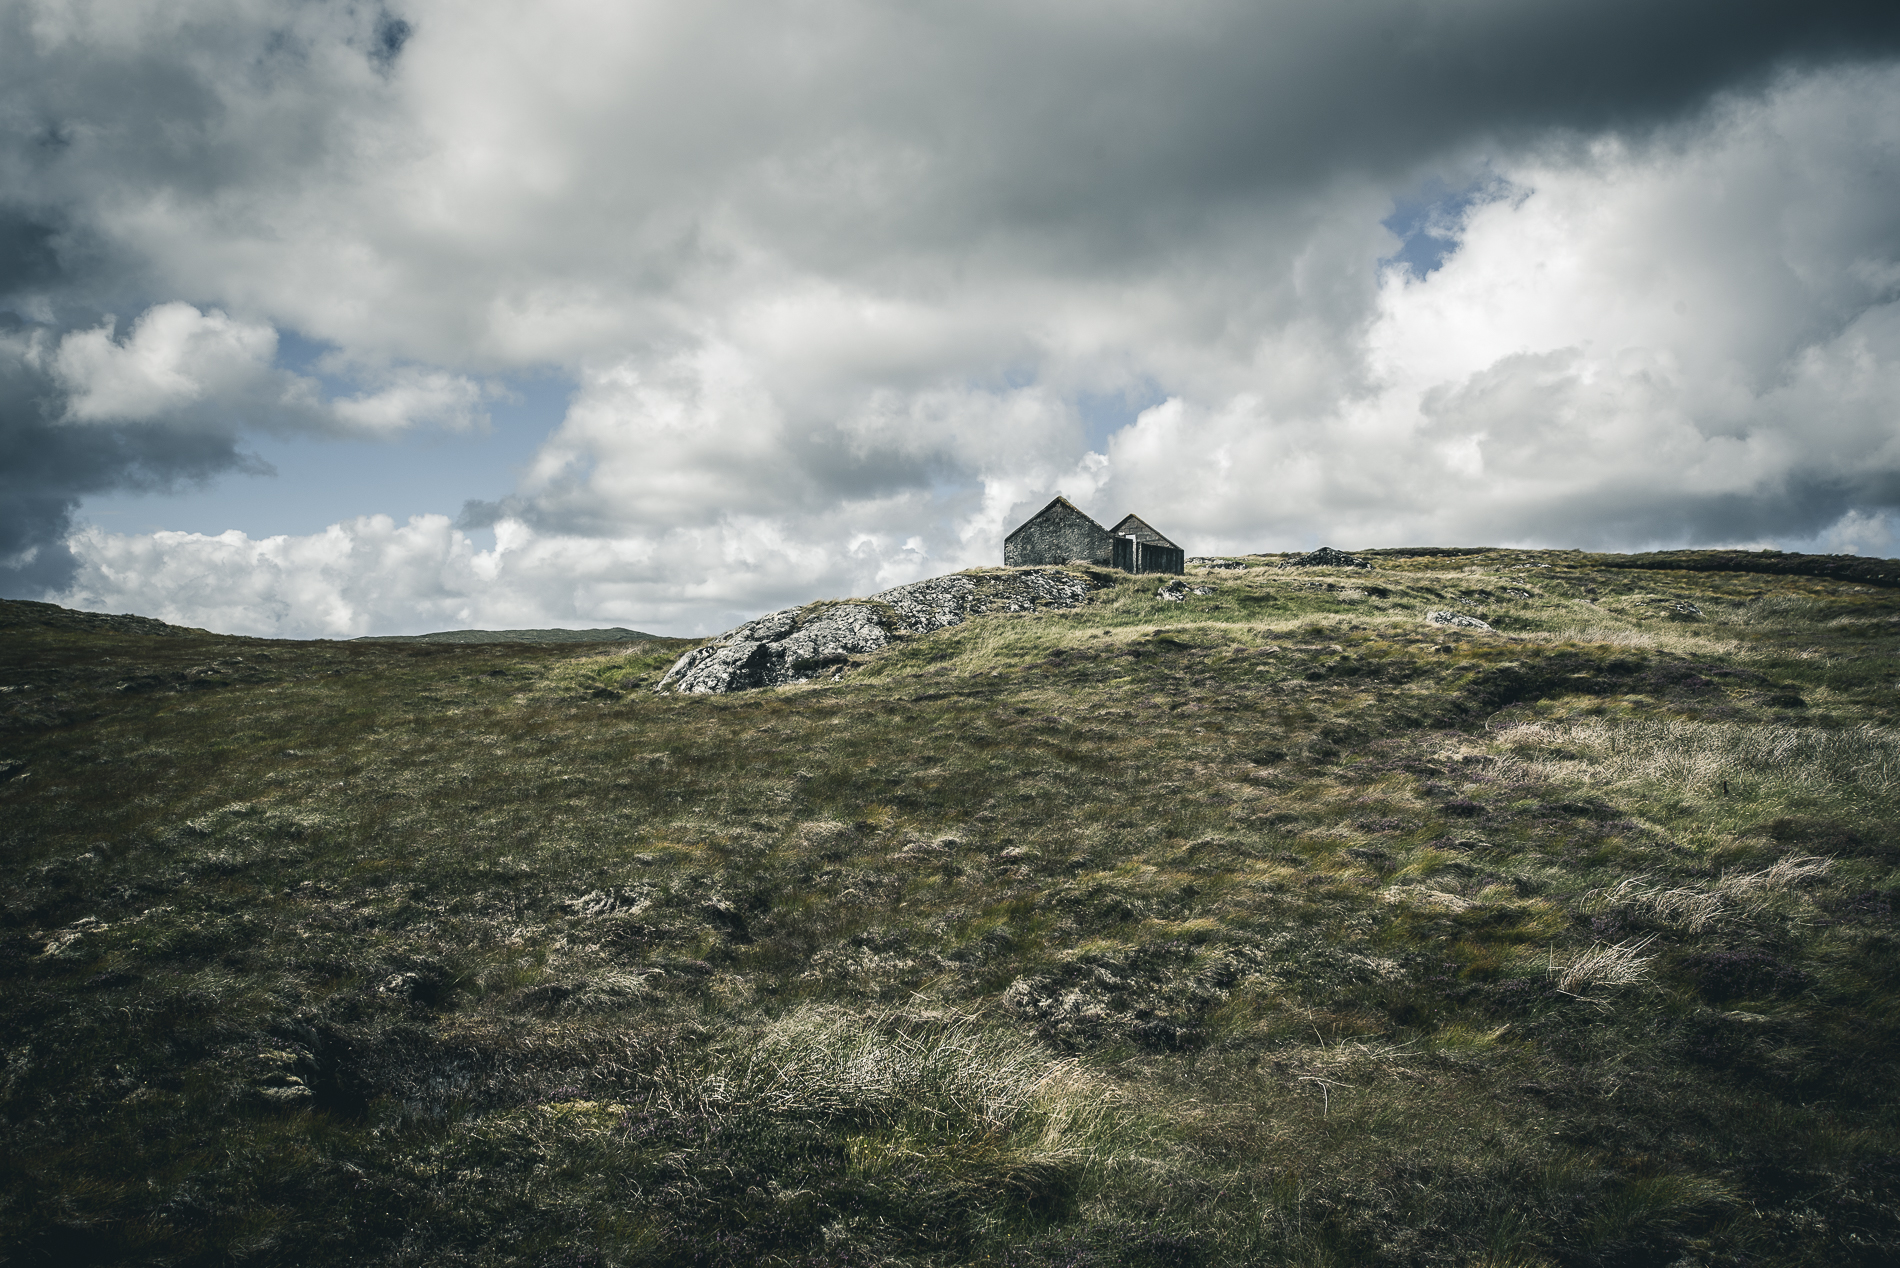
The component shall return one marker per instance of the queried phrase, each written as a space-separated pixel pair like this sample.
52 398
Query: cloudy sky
326 319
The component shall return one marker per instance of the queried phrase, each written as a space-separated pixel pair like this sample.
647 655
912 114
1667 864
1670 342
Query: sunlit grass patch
1791 765
1588 628
984 1114
1695 908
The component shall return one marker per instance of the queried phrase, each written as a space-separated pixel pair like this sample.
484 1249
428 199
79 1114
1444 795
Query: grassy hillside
1270 926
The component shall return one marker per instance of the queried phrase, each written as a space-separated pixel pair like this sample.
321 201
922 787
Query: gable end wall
1135 526
1055 536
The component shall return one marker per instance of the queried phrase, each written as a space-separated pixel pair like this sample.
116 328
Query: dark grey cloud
865 140
47 467
1252 94
1110 130
1085 122
27 255
386 46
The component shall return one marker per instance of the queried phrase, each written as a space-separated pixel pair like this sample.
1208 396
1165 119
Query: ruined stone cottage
1062 531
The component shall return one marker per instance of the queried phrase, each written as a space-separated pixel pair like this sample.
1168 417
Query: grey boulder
1177 591
1456 620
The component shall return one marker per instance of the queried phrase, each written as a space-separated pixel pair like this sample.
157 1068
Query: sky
328 319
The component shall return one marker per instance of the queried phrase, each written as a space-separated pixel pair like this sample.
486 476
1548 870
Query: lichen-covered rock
1177 591
1456 620
935 604
1327 557
800 644
782 647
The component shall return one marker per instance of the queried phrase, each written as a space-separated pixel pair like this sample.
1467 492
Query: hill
1498 907
612 634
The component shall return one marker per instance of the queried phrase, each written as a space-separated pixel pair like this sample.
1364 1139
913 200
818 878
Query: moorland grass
1275 925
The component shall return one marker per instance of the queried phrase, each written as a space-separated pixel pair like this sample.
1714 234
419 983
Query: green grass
1273 926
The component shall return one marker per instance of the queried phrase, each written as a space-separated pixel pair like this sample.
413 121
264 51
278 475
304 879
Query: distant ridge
28 612
1864 569
613 635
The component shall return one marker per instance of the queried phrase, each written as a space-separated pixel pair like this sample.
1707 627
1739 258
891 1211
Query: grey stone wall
1056 534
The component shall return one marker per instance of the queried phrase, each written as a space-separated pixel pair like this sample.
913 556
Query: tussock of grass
831 1061
1622 964
1696 909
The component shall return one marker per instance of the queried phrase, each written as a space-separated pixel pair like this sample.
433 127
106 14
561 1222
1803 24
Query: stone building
1139 548
1061 532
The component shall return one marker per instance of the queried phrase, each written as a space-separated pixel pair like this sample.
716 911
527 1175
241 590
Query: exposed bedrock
814 641
1327 557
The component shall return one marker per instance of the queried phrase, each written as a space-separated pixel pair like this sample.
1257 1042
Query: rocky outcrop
819 639
1327 557
1455 620
783 647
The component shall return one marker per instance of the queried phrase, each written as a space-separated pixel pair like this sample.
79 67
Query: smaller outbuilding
1139 547
1062 532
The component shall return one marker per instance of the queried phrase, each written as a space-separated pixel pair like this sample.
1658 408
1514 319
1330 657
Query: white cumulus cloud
1684 340
371 575
206 370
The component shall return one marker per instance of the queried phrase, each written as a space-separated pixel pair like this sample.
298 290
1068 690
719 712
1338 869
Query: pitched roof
1057 501
1135 526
